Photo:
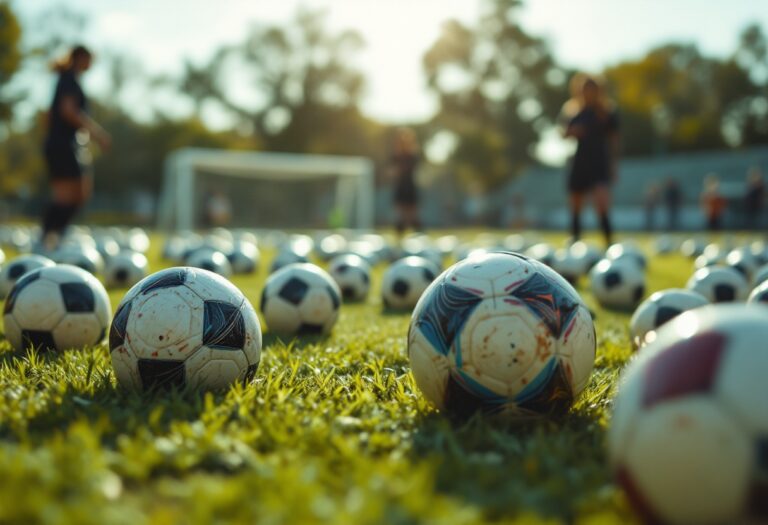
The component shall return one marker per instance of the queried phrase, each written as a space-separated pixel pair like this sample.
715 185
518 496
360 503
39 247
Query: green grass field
332 431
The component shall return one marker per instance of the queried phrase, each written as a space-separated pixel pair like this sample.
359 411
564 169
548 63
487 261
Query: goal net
207 187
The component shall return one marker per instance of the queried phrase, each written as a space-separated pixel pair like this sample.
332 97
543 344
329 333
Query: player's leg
602 202
576 201
66 196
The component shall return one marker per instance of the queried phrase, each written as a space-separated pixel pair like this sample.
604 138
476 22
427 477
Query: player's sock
575 226
68 213
52 217
605 223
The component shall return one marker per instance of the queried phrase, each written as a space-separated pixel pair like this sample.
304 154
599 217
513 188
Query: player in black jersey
404 162
65 149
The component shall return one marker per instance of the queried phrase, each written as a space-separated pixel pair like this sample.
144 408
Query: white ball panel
213 369
167 323
12 331
126 369
430 368
317 307
281 316
210 286
691 462
78 330
39 306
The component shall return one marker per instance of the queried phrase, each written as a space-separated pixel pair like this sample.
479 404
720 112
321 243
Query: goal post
346 182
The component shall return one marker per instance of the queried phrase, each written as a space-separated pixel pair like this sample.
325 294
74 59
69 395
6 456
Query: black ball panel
335 299
294 291
664 314
119 324
22 283
16 270
162 374
310 329
78 297
612 279
400 287
429 275
165 279
37 340
223 326
724 293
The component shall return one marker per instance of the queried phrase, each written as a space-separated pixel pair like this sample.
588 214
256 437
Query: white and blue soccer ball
405 280
719 284
687 438
659 309
184 328
300 299
618 283
56 308
19 266
125 269
353 276
502 334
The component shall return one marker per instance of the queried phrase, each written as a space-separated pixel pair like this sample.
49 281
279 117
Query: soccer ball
243 257
568 266
184 328
542 252
664 245
353 275
692 248
587 254
83 256
688 435
617 283
500 333
759 294
742 261
760 275
210 260
125 269
56 308
626 250
286 257
719 284
405 280
18 267
300 299
660 308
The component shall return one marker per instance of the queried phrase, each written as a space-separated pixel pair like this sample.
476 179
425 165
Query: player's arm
71 113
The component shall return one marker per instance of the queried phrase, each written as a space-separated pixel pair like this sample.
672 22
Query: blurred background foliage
499 90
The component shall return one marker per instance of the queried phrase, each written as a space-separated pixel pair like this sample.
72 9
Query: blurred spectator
218 209
713 203
753 198
404 161
673 198
651 203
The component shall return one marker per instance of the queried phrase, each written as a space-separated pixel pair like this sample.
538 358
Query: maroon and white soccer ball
501 334
689 435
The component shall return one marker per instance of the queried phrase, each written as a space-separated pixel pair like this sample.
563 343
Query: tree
10 56
498 88
297 88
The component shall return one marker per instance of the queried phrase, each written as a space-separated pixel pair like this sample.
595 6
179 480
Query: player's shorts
66 161
406 194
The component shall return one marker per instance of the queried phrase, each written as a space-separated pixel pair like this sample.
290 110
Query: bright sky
584 33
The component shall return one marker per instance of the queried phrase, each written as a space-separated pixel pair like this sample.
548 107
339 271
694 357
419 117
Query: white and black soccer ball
83 256
692 248
587 254
542 252
501 334
618 283
19 266
184 328
300 299
353 276
125 269
719 284
759 294
569 267
56 308
210 260
286 257
244 257
664 245
659 309
405 280
743 262
687 439
627 250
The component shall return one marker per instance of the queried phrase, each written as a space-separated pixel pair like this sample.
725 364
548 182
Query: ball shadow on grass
551 466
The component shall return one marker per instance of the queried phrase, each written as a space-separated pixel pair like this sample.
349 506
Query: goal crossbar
177 203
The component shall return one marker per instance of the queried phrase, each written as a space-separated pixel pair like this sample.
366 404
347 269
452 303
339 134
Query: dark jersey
61 132
405 165
592 161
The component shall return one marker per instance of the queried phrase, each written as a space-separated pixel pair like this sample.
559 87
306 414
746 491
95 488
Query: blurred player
66 155
754 197
713 204
404 162
593 122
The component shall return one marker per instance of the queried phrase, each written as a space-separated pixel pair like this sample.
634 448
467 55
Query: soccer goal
266 190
